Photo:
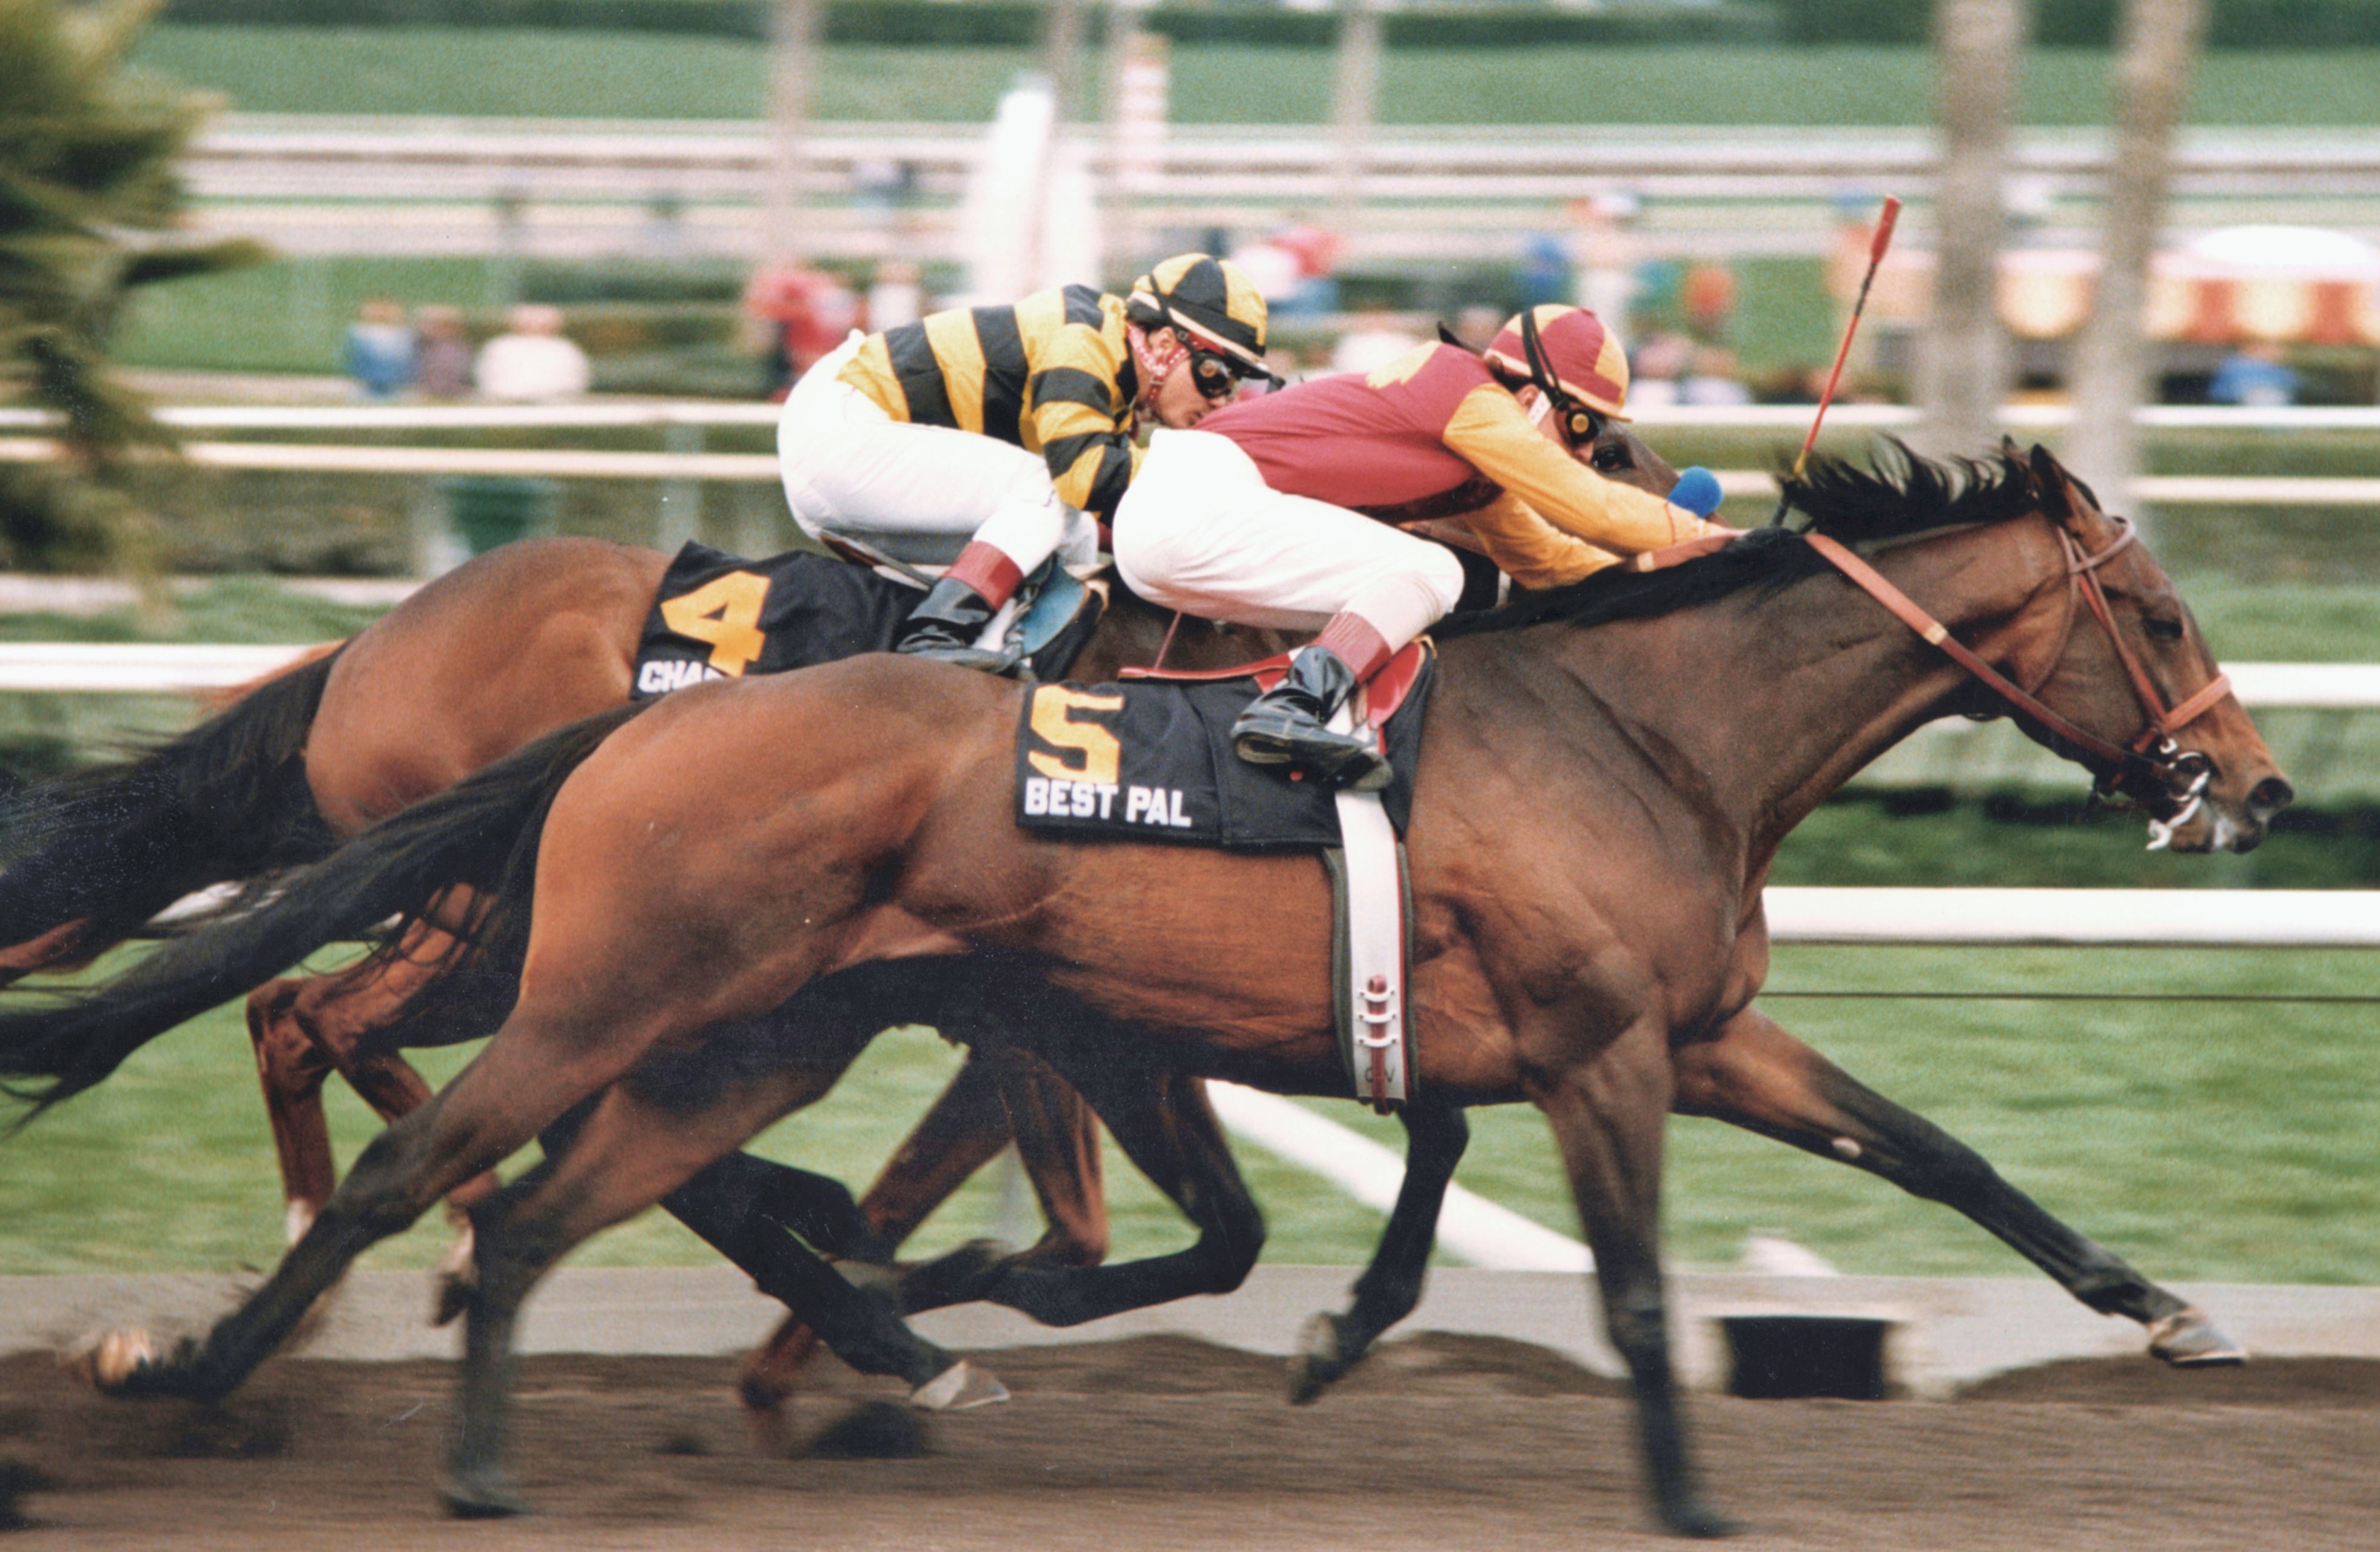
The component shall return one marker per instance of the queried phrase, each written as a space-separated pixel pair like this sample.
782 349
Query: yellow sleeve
1529 550
1489 431
1081 421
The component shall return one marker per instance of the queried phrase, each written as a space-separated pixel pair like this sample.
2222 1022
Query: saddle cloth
720 617
1151 760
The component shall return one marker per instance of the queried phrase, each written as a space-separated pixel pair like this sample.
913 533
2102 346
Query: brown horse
1596 812
498 652
505 648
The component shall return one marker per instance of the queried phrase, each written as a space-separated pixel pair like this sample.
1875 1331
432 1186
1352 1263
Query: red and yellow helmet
1572 358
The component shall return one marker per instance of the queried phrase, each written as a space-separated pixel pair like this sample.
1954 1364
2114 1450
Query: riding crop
1882 240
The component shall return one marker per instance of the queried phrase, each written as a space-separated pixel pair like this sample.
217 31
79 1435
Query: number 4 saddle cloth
720 617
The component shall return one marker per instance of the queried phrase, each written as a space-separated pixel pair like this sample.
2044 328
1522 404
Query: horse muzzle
2209 814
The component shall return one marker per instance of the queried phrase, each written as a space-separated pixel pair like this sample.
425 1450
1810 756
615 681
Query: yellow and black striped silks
1052 375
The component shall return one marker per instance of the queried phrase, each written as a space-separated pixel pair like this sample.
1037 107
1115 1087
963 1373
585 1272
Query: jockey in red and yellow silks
1254 517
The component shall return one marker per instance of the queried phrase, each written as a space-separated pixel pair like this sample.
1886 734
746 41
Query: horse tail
100 851
470 834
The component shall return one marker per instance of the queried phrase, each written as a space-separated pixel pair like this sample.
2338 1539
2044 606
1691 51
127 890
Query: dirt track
1164 1443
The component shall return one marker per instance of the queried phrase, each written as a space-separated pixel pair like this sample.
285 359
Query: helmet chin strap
1551 396
1156 364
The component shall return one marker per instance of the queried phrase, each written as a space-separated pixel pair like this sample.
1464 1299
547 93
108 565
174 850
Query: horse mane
1898 495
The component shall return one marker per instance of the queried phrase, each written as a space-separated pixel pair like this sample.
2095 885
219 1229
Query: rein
2180 775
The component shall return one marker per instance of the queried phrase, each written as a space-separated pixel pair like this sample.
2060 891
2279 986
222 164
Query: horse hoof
1697 1518
2187 1339
107 1361
482 1495
958 1388
456 1278
1316 1365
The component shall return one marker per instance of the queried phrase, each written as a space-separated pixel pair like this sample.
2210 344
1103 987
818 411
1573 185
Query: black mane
1897 496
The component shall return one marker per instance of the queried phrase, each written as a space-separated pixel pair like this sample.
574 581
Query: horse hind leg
1435 1135
1756 1076
646 1140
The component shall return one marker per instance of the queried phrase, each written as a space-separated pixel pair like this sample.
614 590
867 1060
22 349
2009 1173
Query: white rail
760 468
167 668
661 413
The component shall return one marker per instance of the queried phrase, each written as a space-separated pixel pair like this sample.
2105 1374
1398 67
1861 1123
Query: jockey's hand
1697 490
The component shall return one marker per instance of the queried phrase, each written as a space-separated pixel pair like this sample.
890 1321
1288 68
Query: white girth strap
1373 932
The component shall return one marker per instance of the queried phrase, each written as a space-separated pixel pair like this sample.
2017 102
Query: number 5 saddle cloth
1151 760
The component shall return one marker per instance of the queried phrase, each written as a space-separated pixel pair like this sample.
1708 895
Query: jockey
1009 430
1253 519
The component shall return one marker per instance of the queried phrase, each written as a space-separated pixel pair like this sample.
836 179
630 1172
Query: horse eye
1610 460
2164 630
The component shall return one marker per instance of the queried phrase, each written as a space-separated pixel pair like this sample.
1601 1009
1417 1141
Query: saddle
1150 760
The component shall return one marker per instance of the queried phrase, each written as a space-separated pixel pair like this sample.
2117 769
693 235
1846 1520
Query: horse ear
2050 483
2063 494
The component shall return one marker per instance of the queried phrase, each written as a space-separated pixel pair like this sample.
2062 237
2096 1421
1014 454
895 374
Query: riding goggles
1214 375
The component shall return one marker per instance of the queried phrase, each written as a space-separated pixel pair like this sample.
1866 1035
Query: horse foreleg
1436 1134
1608 1115
964 1131
1756 1076
1058 1143
1166 1127
291 1065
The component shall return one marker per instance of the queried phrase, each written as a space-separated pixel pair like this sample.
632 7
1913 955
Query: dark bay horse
1596 814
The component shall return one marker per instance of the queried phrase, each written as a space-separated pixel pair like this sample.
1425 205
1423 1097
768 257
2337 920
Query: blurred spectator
379 352
1794 383
894 296
1476 326
882 184
1545 271
807 313
531 362
442 358
2256 377
1660 361
1374 339
1607 250
1272 270
1317 248
1707 295
1713 380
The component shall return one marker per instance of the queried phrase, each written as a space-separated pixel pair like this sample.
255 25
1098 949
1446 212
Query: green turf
2203 1141
506 72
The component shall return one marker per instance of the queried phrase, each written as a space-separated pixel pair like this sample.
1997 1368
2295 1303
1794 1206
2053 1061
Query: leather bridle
2167 780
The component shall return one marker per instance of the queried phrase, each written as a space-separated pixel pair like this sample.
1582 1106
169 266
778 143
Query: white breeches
1200 531
918 492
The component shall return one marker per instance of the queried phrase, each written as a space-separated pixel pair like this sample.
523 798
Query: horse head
2134 670
1616 452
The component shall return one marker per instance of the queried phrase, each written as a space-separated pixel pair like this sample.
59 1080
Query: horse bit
2180 776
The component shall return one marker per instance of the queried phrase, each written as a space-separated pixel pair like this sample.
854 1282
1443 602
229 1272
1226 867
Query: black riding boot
946 626
1285 725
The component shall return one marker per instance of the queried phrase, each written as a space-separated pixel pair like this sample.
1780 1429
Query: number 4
726 613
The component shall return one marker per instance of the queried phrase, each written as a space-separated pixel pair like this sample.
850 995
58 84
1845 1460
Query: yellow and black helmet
1212 303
